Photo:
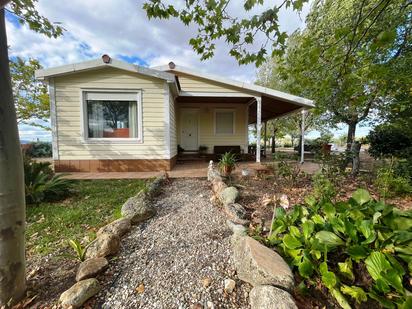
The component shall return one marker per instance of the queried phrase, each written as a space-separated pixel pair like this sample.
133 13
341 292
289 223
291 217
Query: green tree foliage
214 21
346 57
30 95
390 140
27 14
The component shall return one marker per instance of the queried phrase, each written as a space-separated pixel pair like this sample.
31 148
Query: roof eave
250 87
98 63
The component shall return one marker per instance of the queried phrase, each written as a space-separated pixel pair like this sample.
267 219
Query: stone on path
229 285
118 227
259 265
138 208
91 267
104 245
79 293
269 297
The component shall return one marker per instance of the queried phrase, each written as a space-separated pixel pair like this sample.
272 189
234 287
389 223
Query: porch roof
274 103
271 108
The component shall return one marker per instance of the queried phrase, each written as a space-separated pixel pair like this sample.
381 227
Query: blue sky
97 27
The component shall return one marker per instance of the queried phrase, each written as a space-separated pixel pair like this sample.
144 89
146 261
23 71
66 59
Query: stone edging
135 210
270 276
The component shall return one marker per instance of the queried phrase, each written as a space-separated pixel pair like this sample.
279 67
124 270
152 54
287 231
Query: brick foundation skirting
94 166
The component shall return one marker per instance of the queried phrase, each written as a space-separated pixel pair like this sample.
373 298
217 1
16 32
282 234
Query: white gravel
165 262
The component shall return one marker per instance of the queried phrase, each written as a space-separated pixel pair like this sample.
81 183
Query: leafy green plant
79 250
39 150
203 149
289 171
42 185
360 250
323 188
227 163
389 184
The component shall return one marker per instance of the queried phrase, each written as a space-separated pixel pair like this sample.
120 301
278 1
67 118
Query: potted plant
227 163
202 150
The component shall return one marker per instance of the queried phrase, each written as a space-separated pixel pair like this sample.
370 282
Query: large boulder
155 187
118 227
228 196
138 208
91 268
104 245
259 265
269 297
81 291
235 212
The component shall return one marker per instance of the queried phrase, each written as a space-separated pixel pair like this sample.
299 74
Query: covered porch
209 124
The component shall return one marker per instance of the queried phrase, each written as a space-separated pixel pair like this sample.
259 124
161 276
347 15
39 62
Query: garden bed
51 225
254 191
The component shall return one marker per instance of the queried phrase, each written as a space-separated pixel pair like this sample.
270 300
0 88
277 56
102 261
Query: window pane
224 122
111 119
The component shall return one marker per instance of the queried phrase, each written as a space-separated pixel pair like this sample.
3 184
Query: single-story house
109 115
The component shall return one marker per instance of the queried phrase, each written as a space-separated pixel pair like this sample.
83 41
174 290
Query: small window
224 122
111 115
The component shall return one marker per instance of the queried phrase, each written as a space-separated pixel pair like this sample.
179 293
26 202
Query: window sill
112 141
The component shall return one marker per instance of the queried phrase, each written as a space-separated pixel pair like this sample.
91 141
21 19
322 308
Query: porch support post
264 140
258 126
302 149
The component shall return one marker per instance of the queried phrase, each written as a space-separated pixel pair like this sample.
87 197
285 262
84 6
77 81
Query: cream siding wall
68 116
190 83
206 124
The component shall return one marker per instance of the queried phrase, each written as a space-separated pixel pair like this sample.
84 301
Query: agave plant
333 242
41 184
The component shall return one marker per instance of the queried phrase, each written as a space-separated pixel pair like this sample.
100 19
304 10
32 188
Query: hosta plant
360 250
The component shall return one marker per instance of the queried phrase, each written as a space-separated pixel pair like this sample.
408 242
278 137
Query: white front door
189 129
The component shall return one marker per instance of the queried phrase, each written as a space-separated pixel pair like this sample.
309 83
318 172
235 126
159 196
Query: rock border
135 210
256 264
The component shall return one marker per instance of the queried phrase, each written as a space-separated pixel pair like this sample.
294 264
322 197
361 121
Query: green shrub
360 250
389 184
289 171
42 185
323 188
39 150
389 140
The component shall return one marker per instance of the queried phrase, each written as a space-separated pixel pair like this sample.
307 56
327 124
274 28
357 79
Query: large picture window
112 115
224 122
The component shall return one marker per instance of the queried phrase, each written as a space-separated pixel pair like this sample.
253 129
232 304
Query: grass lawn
96 202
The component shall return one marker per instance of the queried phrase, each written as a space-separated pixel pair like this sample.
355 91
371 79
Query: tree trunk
355 149
352 151
12 204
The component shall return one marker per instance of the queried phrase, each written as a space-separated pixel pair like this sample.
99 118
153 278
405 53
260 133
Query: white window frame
233 111
107 140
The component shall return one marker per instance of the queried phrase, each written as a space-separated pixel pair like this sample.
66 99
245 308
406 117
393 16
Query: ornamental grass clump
227 163
360 250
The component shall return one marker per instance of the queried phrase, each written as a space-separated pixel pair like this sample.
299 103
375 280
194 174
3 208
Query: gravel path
178 259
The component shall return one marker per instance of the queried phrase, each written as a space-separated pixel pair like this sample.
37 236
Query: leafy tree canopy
214 22
343 58
30 95
27 13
